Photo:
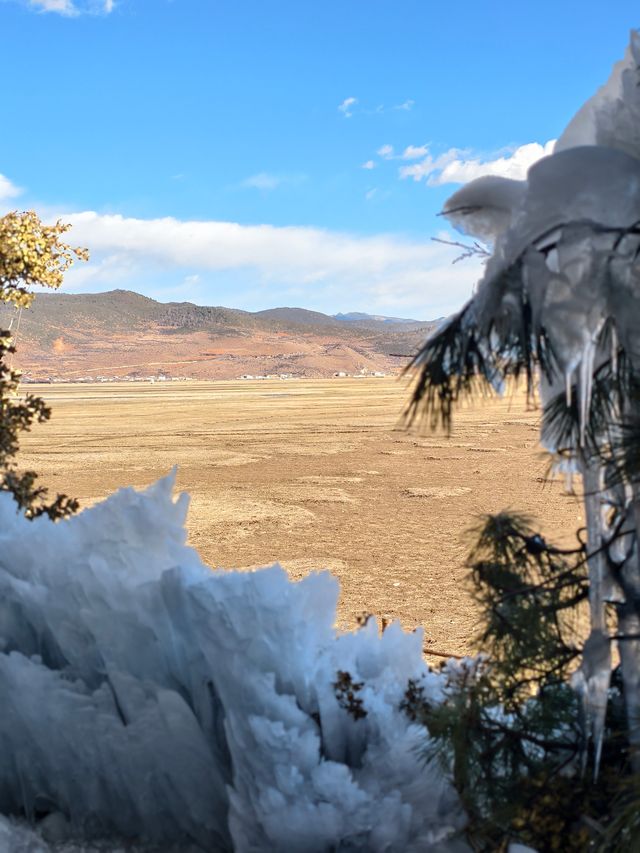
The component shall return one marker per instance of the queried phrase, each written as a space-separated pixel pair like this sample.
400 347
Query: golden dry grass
313 474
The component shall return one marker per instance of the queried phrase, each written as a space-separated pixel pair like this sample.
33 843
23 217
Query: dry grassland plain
314 474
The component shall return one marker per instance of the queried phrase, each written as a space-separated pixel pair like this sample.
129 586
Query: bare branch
473 250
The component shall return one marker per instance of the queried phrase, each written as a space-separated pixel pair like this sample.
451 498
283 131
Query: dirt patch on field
438 492
314 474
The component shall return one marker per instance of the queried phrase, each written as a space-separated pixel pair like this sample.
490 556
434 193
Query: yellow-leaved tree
31 254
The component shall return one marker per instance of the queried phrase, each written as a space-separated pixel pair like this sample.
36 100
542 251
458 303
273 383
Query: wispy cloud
368 165
8 190
414 152
411 152
266 181
456 166
383 272
346 107
71 8
262 181
62 7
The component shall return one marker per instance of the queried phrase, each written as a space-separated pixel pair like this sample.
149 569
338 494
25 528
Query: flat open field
313 474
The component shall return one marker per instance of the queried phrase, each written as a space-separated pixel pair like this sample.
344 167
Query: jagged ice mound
149 699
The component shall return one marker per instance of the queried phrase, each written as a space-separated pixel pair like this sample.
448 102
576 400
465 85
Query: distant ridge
123 333
359 317
298 316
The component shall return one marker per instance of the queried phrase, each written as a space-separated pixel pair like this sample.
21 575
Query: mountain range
125 334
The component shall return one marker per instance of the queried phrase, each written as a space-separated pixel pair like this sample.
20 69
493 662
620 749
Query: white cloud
262 181
62 7
112 269
406 105
73 8
346 107
430 167
369 165
414 152
383 272
458 167
8 190
411 152
371 193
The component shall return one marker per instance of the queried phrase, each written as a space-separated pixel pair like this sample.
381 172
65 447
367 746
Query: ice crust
149 698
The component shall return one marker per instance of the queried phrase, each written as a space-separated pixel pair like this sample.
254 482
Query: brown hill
120 333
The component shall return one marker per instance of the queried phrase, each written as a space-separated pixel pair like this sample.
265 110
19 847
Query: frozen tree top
565 268
611 118
486 207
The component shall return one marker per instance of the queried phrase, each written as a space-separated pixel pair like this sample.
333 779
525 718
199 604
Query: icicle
620 546
592 481
592 678
568 481
586 384
614 350
566 466
568 380
591 681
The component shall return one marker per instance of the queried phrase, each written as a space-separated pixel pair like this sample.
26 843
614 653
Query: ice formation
149 698
612 116
564 282
484 208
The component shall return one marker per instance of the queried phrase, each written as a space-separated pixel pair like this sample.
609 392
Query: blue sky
284 152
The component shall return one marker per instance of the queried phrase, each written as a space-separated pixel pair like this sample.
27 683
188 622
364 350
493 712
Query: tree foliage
31 254
510 729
